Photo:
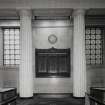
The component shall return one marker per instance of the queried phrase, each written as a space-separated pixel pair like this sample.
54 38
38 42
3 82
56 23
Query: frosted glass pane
11 31
11 46
11 51
16 31
87 41
11 41
7 62
98 36
87 51
92 51
98 41
6 51
87 31
92 36
17 56
16 46
92 46
88 61
98 46
6 41
93 31
92 61
4 56
98 56
98 31
6 46
92 41
12 62
17 51
12 37
6 31
98 61
92 56
6 37
17 37
7 57
87 46
16 41
98 51
87 36
17 61
12 56
87 56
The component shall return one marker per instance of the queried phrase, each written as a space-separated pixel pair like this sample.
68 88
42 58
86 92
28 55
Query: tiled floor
36 100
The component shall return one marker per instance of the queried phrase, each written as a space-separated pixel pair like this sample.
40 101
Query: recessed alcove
52 62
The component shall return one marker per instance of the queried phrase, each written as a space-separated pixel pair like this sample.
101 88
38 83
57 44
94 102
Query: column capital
25 12
78 12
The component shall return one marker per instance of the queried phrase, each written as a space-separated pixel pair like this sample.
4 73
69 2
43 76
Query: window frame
102 44
11 27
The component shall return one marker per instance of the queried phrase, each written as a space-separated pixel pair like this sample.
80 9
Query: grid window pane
6 42
16 37
7 56
6 52
11 51
98 31
17 42
11 41
17 52
7 61
16 31
12 61
17 46
12 57
11 31
17 56
6 47
94 45
6 32
17 62
11 46
6 37
12 37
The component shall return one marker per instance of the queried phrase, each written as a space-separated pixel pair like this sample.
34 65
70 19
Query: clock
52 39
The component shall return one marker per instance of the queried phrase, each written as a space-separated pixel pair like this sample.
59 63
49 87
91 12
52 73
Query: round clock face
52 39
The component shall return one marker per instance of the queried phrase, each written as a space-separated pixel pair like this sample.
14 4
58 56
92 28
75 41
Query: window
94 45
11 46
52 62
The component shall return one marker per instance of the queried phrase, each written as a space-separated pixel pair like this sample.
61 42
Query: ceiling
34 4
14 14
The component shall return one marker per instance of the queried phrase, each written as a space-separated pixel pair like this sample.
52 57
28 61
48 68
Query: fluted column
1 58
79 60
1 47
25 72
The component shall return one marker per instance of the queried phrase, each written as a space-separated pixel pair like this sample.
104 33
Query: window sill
95 66
9 67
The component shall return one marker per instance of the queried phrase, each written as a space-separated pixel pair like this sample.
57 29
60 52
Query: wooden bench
8 96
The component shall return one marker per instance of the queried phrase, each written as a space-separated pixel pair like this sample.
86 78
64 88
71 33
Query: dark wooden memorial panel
52 62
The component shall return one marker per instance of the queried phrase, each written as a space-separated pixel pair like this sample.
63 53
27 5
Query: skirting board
53 95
